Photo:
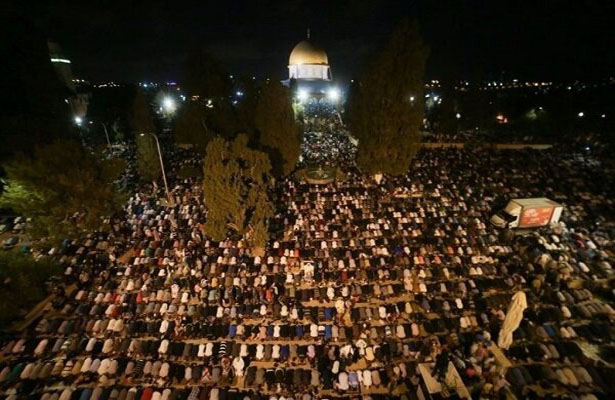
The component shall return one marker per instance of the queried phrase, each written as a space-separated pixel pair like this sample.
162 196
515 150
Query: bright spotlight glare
302 95
78 120
168 103
458 115
581 114
333 94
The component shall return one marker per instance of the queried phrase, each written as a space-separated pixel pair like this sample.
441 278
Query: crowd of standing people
361 284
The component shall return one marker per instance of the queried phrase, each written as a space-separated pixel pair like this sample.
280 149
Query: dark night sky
132 41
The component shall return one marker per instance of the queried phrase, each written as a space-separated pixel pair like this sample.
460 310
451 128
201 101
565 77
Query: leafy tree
140 118
275 121
190 126
383 117
205 77
148 160
222 119
235 185
142 126
22 283
210 84
65 190
447 112
111 106
33 108
293 86
246 107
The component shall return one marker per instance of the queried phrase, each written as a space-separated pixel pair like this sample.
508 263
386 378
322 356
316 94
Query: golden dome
307 52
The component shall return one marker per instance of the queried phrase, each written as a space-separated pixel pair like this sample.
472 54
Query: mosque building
308 67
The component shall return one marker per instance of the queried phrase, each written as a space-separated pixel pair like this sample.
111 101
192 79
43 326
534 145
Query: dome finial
308 33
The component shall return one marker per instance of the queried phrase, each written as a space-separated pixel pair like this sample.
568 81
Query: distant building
62 65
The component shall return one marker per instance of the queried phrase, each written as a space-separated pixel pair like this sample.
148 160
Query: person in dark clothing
441 366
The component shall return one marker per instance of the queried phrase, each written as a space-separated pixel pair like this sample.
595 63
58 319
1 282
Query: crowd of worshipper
327 147
326 140
360 284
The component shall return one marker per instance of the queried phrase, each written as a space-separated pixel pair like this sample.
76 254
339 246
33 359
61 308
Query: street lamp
169 104
302 95
333 94
164 176
106 134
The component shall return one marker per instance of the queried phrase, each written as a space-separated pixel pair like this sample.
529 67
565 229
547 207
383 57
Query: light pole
106 134
164 176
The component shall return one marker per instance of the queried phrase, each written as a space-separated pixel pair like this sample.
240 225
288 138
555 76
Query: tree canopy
207 82
205 77
235 185
65 190
148 160
140 119
22 283
142 126
191 127
279 134
33 109
386 109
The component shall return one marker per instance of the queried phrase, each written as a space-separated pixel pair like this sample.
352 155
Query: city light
412 99
60 60
501 118
78 120
333 94
458 116
302 95
581 114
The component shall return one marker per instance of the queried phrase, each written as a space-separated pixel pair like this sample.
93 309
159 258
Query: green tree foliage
205 77
222 119
382 116
113 107
210 84
141 117
235 185
447 112
191 127
22 283
142 125
148 160
279 134
33 109
246 107
65 190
